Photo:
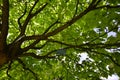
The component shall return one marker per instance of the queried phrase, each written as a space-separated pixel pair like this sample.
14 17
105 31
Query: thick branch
37 39
5 23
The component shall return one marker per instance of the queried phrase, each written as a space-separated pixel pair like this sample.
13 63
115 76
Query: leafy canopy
45 39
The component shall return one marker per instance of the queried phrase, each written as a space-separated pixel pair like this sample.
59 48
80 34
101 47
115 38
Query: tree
44 39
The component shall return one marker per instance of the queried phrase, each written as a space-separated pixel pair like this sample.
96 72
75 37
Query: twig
107 6
104 33
39 10
76 8
23 28
37 56
25 68
73 20
9 67
110 57
40 46
50 27
19 23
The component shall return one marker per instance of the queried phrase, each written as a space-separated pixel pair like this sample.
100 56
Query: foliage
45 39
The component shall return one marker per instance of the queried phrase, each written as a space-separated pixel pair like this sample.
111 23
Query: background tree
45 39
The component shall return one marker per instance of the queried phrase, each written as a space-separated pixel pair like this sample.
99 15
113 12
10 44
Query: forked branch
31 15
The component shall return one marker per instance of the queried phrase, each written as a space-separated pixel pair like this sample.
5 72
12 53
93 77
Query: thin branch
18 41
37 56
19 23
67 24
40 46
92 3
49 53
25 68
59 29
50 27
82 47
107 6
73 20
1 68
30 16
76 8
39 10
87 45
102 45
36 1
37 38
32 45
110 57
116 26
98 2
9 67
59 42
23 28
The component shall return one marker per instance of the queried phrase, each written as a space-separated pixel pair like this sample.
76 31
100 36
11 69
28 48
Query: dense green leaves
89 27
